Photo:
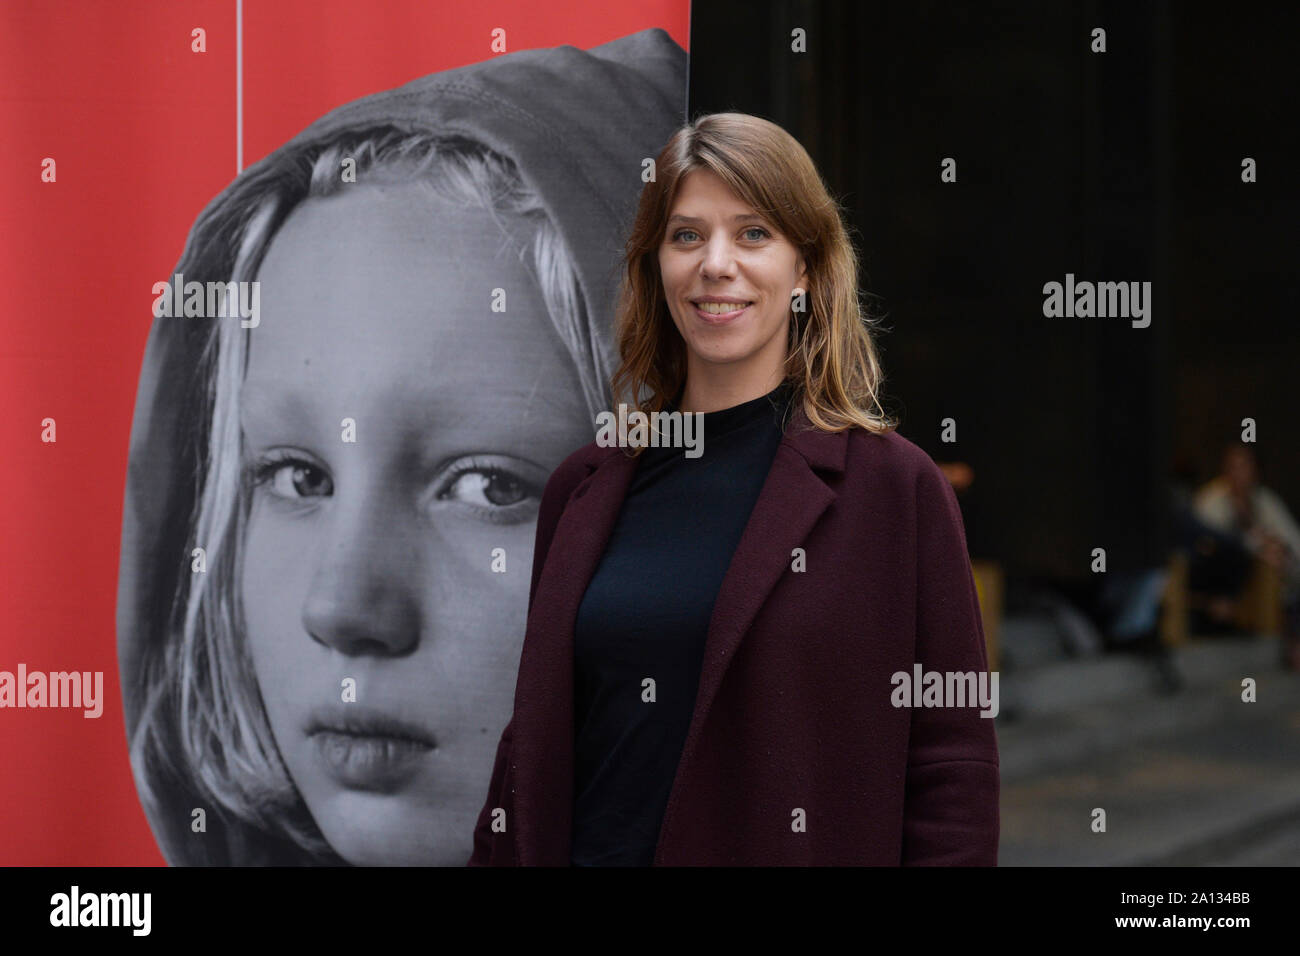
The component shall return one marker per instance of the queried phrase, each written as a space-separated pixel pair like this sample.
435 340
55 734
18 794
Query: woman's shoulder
897 457
893 481
857 449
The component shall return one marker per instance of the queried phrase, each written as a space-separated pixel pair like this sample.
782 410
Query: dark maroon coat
794 704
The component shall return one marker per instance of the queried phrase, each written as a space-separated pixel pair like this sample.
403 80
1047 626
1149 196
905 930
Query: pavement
1193 778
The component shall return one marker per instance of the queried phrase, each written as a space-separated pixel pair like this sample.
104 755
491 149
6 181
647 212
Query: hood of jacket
577 125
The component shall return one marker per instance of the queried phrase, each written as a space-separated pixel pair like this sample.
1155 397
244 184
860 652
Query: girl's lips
369 761
367 749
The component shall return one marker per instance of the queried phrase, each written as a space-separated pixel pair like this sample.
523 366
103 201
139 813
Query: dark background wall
1122 166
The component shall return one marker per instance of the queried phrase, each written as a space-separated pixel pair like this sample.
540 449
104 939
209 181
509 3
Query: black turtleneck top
645 616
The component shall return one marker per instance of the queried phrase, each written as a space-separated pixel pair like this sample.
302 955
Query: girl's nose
363 597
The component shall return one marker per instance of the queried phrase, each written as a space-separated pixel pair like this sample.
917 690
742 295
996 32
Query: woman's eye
685 235
294 478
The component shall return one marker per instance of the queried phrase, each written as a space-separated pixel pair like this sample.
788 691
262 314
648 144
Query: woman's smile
715 310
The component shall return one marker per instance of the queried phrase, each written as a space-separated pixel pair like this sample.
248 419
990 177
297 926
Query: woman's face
717 246
394 553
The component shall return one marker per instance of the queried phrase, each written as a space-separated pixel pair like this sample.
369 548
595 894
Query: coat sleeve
950 811
498 849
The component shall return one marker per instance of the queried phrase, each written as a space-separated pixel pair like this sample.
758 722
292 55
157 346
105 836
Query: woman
716 645
331 507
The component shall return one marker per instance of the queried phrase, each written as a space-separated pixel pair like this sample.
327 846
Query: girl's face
717 246
401 433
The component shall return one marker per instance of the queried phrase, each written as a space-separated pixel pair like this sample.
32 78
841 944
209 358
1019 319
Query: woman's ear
798 301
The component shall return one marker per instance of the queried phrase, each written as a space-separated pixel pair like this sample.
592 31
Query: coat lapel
792 499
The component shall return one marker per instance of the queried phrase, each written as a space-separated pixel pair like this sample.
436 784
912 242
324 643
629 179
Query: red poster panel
125 122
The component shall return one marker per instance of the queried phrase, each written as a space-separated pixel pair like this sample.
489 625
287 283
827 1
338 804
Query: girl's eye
492 487
498 492
762 233
677 236
293 478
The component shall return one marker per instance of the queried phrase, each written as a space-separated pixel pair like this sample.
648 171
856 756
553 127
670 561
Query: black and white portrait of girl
330 513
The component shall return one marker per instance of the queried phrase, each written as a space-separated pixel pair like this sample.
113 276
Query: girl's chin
400 843
407 859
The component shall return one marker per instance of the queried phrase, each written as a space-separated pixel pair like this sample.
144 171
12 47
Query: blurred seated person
1246 522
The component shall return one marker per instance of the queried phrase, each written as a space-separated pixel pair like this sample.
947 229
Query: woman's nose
719 259
363 596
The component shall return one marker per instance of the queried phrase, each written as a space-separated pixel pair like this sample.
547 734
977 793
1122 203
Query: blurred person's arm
1272 515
